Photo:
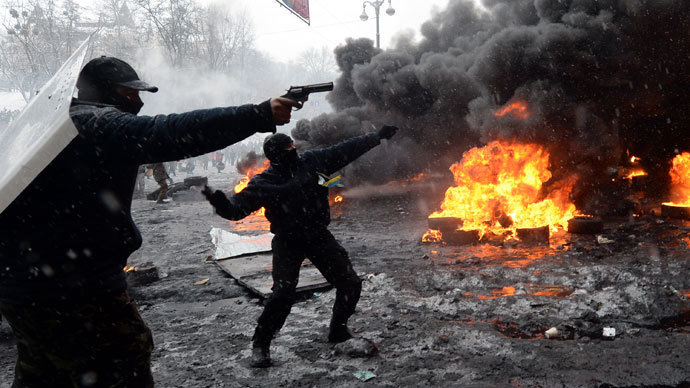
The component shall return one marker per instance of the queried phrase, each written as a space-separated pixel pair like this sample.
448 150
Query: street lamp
377 5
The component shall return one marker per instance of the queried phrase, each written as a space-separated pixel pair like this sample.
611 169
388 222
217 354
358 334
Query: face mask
287 158
125 104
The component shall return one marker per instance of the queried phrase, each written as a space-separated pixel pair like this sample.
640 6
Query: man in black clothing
297 207
65 240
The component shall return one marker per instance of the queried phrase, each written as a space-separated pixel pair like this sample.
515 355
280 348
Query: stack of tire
450 229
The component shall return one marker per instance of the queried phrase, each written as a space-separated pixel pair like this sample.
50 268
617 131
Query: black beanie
275 144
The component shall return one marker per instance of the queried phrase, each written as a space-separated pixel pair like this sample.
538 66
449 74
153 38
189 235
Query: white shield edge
40 131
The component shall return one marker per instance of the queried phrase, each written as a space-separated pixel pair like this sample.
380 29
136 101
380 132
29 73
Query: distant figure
139 191
161 177
296 203
172 167
204 161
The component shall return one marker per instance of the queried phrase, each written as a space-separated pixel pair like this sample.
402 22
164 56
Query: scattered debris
609 332
357 347
551 333
202 282
141 276
603 240
364 375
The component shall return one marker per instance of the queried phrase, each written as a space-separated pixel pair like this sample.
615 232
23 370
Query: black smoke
601 77
250 161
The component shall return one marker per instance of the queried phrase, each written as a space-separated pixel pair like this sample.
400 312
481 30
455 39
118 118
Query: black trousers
102 342
329 257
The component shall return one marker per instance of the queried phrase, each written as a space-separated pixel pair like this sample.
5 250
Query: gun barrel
324 87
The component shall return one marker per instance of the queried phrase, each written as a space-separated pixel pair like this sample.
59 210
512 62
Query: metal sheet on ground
230 244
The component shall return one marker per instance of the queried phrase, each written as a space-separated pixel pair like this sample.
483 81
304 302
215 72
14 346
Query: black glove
387 131
214 197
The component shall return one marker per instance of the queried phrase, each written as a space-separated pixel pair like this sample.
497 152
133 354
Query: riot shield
42 129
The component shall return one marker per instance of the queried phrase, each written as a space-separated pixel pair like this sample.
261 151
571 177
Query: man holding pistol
297 207
65 240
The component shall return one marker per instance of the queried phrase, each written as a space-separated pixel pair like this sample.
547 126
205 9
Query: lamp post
377 5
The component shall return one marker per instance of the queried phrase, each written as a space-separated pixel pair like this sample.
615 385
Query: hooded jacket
296 205
70 232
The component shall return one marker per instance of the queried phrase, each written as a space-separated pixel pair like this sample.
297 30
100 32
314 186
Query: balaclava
275 152
99 78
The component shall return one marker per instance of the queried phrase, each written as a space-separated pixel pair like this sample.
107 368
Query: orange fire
432 235
634 173
245 181
680 180
516 109
128 268
338 198
250 174
415 178
495 294
499 189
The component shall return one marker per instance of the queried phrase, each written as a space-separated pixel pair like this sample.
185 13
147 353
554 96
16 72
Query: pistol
301 93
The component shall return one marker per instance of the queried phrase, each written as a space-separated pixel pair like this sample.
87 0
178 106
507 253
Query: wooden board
247 260
254 272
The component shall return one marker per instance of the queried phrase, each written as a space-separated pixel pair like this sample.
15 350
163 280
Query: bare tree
174 21
318 64
119 33
225 37
40 36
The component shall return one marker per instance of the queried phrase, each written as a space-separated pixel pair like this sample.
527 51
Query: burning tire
675 211
444 224
585 225
195 181
534 235
461 237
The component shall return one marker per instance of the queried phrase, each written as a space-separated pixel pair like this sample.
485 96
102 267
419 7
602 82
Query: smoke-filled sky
601 77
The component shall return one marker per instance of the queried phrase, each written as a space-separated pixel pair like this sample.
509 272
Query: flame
498 188
432 235
516 109
680 180
128 268
634 159
532 290
244 181
415 178
338 198
250 174
634 173
495 294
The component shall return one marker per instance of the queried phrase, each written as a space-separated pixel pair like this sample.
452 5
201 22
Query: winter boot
339 332
261 356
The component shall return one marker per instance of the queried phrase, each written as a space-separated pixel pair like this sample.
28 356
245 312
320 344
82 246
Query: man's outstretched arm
336 157
234 208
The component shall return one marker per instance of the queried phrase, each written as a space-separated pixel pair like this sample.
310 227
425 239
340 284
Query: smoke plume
600 77
249 161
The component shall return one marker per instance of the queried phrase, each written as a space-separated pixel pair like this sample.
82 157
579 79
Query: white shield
40 132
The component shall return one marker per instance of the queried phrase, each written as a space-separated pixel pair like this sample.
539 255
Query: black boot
339 332
261 356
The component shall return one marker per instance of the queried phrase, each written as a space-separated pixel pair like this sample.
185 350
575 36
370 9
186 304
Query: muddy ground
441 315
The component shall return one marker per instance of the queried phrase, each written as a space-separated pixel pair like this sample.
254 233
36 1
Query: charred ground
441 315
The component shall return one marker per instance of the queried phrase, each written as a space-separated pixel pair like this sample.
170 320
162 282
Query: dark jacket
296 205
69 233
